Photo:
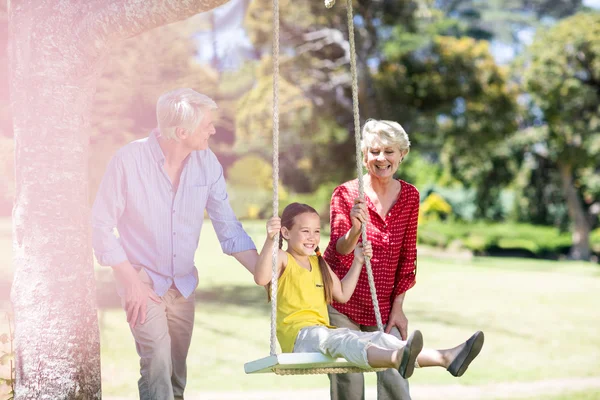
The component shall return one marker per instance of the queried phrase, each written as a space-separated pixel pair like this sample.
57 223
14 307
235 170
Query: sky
229 39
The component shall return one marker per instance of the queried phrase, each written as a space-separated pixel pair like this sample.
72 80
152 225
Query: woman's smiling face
383 161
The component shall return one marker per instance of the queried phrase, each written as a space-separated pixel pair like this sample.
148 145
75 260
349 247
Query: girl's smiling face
304 235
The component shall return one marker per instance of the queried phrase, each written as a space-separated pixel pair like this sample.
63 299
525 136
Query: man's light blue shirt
159 228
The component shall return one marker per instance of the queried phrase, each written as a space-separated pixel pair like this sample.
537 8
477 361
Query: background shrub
486 238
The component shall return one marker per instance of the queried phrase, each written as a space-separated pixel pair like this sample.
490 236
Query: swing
310 363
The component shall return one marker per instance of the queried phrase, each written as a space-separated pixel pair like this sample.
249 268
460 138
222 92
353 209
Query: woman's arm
406 272
407 262
357 215
263 271
343 290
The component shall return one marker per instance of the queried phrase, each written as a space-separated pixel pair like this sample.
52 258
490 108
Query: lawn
577 395
540 318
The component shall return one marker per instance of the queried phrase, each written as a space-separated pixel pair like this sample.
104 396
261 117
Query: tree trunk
56 51
581 227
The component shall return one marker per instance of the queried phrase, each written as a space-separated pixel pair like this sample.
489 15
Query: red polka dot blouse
394 241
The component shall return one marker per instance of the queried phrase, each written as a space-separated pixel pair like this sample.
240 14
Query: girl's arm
264 266
343 290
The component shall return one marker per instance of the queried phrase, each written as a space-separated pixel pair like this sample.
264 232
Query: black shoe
411 350
459 365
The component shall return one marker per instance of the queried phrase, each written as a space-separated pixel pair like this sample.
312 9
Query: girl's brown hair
287 220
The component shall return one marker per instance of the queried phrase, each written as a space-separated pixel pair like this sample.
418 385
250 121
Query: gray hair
386 133
182 108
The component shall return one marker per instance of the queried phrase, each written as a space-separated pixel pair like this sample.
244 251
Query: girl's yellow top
300 301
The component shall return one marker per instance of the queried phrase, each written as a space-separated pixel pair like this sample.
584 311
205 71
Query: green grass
540 318
577 395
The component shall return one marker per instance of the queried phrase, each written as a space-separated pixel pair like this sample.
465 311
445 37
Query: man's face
199 139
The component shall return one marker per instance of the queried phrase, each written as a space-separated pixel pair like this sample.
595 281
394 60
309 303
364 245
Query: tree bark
579 220
55 55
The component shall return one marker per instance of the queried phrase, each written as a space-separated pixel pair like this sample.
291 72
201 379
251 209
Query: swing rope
357 138
359 167
274 277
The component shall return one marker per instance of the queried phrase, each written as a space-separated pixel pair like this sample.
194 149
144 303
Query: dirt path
496 391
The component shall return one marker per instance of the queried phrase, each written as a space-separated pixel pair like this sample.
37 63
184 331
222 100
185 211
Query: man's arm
108 207
136 293
233 238
248 258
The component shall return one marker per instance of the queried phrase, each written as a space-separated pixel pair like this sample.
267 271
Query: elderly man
155 191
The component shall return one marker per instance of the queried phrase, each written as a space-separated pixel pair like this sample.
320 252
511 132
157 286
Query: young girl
305 286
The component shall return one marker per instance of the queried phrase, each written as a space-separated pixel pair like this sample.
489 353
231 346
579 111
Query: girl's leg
355 346
433 358
345 386
364 349
402 359
378 357
379 350
457 359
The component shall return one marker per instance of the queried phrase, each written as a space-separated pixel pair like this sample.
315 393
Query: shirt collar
155 149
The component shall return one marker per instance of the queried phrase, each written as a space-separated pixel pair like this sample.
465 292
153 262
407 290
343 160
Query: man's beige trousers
162 343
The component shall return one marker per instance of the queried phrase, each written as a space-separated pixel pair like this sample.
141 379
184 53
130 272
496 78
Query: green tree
502 20
562 74
540 8
455 101
306 137
317 136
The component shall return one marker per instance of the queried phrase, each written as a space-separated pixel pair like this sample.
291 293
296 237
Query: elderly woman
391 207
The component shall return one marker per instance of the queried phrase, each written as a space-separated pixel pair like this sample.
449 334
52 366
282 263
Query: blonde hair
183 108
386 133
